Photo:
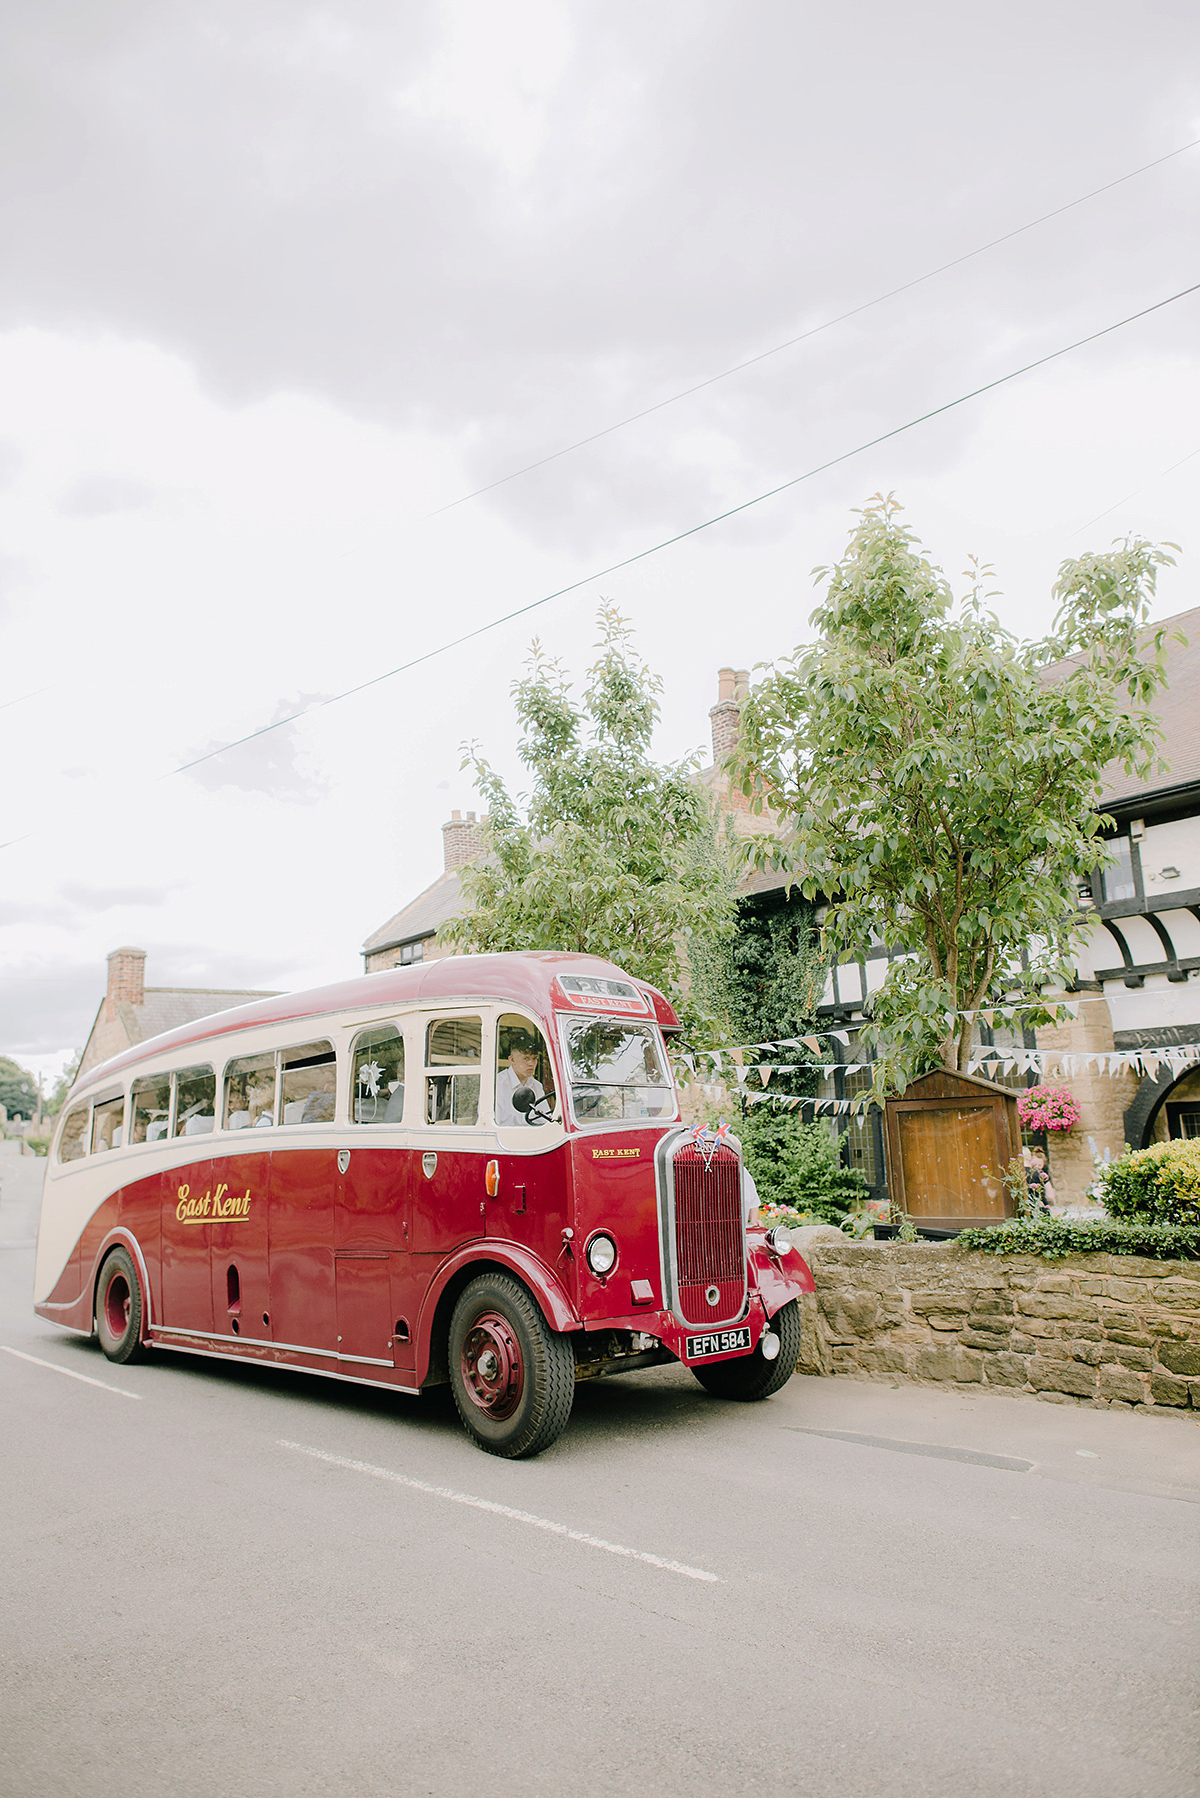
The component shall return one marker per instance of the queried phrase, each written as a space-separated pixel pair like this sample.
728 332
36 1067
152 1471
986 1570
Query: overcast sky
280 280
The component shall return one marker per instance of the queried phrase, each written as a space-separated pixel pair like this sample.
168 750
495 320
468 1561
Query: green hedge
1159 1185
1054 1237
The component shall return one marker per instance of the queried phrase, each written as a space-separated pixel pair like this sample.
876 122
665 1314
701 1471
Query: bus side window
250 1092
453 1044
308 1084
107 1124
524 1074
151 1108
72 1144
195 1101
377 1076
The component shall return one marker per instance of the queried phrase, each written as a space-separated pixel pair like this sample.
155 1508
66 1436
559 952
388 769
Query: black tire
512 1376
117 1311
752 1377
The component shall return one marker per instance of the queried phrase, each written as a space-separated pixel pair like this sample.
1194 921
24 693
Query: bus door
377 1303
303 1193
448 1186
532 1203
180 1106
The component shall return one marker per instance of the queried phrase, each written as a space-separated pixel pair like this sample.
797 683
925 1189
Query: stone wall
1106 1330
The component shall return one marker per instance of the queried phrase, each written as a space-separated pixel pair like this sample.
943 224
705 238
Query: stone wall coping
830 1246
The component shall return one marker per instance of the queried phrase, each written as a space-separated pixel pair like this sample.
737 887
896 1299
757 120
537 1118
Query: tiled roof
422 916
1177 708
167 1007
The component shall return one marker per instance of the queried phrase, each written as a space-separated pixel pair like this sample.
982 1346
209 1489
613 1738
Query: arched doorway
1168 1099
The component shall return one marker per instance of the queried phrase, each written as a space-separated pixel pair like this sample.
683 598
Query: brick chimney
126 980
733 685
462 839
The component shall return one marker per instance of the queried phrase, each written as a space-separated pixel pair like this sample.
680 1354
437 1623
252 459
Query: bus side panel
303 1302
140 1212
186 1205
373 1226
237 1246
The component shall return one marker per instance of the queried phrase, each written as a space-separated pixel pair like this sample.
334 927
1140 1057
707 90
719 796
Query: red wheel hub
116 1306
492 1372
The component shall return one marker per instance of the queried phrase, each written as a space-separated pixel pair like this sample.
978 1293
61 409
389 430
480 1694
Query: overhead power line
814 331
681 536
1116 506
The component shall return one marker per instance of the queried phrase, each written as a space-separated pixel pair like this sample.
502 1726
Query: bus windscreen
618 1071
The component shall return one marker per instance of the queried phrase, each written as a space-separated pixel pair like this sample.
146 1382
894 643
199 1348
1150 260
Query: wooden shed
948 1142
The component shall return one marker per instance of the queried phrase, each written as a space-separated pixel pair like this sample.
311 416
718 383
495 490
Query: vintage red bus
469 1170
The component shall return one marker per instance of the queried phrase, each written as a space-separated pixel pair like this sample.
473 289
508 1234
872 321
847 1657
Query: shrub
1054 1237
1159 1185
1047 1108
797 1167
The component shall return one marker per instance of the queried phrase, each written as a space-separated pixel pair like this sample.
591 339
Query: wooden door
952 1159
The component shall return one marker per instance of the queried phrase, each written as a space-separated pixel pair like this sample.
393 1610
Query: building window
409 953
1119 880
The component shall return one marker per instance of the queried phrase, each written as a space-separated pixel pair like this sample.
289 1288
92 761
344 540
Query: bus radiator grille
708 1234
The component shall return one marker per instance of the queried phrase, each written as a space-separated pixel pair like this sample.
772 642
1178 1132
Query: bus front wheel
752 1377
513 1377
118 1313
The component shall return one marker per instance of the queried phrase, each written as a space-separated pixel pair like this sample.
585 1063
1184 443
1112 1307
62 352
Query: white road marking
70 1372
487 1504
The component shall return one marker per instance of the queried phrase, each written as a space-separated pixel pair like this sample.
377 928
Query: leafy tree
941 782
18 1089
764 982
611 853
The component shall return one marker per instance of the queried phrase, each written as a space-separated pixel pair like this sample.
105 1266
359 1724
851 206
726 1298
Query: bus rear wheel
513 1377
752 1377
118 1312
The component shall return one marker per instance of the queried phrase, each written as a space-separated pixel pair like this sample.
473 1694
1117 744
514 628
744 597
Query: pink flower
1047 1108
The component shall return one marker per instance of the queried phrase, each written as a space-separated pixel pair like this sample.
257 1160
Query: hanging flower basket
1047 1108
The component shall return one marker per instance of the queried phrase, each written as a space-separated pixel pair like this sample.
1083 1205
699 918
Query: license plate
720 1342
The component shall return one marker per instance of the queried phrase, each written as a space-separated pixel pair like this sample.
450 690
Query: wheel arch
121 1238
433 1326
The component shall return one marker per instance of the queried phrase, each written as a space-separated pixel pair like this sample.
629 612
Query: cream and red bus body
337 1247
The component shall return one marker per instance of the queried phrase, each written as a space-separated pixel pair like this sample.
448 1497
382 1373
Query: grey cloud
98 496
91 899
268 764
44 1005
239 182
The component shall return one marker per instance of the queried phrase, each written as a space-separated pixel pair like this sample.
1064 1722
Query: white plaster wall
1159 1003
1175 845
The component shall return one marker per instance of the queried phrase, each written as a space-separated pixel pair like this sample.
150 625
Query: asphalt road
222 1582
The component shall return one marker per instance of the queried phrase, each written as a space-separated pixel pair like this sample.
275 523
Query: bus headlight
601 1254
768 1344
778 1240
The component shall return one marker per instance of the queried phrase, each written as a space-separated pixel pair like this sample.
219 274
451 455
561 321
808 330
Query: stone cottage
131 1011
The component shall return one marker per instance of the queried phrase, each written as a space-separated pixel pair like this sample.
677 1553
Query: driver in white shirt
522 1060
